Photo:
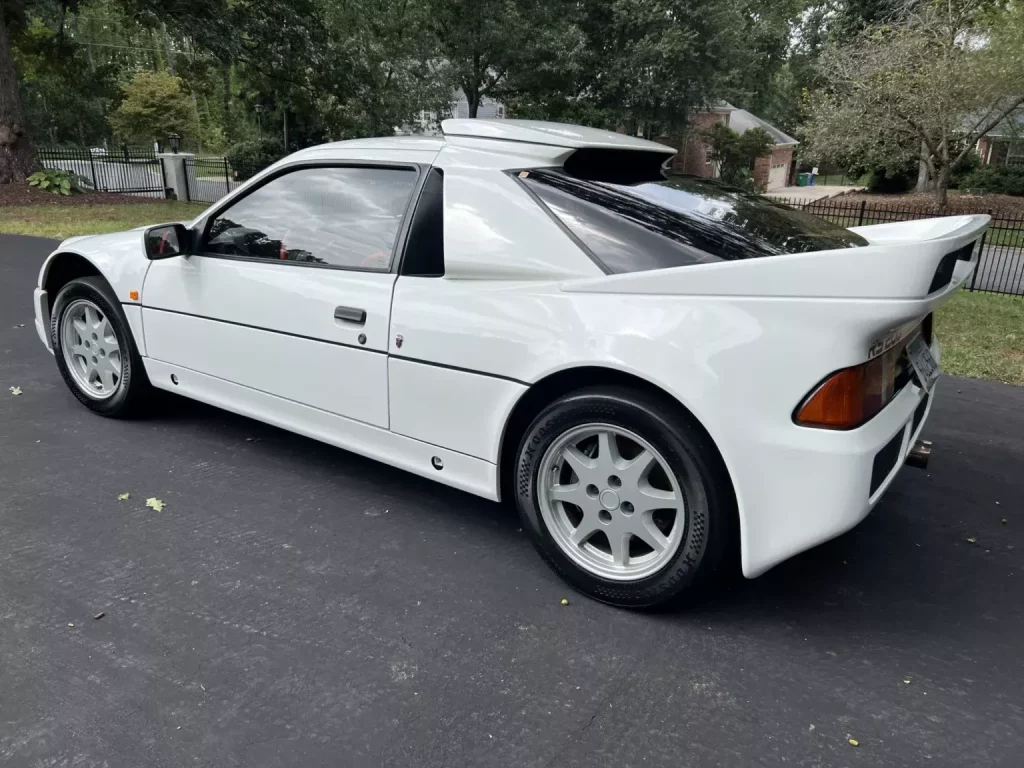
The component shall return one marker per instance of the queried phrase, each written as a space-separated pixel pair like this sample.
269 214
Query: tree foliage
154 106
734 153
939 76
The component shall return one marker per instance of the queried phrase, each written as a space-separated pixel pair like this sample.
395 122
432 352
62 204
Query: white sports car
657 369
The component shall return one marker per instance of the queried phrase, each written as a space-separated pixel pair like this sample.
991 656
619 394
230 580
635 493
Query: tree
642 65
480 41
153 107
940 76
17 155
734 153
388 53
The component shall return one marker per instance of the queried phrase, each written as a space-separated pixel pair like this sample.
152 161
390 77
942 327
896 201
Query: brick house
770 171
1004 144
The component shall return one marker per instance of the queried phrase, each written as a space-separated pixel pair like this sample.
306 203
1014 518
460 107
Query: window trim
553 216
400 265
202 227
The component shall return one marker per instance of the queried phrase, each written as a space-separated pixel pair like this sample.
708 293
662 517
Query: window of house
499 111
331 216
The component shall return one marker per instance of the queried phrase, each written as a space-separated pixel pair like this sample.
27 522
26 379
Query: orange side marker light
133 295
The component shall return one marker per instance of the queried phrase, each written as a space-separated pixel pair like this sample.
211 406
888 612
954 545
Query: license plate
924 364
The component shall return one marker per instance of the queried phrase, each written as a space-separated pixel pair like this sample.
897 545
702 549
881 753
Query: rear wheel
95 350
623 497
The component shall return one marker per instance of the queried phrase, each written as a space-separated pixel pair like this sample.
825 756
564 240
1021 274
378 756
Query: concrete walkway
810 194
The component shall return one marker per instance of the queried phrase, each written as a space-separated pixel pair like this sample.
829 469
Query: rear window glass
678 220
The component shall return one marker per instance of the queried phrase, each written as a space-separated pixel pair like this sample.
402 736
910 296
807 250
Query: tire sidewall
681 450
93 290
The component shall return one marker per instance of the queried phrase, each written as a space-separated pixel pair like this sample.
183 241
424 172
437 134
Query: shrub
57 181
891 181
964 168
248 158
999 179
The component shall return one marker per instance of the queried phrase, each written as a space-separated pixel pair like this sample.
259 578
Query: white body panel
460 410
460 471
737 343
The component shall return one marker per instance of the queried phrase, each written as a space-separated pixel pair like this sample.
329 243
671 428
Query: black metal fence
126 170
210 178
1001 265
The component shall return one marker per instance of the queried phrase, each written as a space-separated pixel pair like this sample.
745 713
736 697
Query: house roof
742 121
1011 127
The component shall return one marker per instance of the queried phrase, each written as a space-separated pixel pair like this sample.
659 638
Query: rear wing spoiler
902 260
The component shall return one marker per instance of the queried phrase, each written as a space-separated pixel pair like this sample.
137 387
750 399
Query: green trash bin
802 179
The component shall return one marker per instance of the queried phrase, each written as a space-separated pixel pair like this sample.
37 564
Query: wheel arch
63 267
554 385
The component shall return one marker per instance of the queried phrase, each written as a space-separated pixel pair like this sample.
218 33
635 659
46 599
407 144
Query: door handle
350 315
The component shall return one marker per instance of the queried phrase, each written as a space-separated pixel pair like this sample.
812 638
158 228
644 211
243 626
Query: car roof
553 134
500 132
426 143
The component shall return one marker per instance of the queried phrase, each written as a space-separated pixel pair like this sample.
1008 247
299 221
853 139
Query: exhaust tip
919 454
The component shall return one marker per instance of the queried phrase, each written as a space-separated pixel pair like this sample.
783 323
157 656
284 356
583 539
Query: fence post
227 178
92 168
860 216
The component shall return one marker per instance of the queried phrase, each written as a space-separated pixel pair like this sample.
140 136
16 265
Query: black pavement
297 605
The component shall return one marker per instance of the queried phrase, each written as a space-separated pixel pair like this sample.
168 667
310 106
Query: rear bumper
42 310
815 484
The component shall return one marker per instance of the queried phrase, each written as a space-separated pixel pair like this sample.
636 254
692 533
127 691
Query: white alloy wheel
611 502
91 349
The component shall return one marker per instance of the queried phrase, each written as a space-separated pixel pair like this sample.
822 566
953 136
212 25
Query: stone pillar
174 172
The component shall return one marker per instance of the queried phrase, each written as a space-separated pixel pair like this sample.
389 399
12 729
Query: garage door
777 176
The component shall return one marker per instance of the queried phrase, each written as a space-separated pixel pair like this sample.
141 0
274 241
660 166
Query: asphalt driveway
296 605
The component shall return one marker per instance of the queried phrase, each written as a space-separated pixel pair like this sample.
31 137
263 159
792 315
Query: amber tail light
852 396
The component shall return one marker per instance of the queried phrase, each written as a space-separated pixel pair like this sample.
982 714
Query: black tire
692 458
133 388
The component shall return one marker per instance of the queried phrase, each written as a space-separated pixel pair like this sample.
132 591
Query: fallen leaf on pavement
100 615
15 390
854 743
20 325
906 682
155 504
565 601
972 540
123 496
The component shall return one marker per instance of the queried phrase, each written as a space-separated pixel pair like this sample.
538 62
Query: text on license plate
924 364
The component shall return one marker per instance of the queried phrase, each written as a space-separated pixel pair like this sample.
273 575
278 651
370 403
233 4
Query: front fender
119 257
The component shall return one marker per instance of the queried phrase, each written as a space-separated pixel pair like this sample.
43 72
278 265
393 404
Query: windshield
679 220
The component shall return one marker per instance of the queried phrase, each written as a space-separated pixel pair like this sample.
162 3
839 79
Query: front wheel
95 350
623 497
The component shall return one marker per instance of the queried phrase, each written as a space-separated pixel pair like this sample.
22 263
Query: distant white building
428 123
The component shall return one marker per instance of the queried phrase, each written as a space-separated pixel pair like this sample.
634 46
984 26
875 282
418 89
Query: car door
289 289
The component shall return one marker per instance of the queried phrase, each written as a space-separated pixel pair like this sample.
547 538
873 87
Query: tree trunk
225 73
941 185
168 51
17 156
923 184
473 99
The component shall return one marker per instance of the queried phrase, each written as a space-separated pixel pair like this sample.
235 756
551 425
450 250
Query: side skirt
459 470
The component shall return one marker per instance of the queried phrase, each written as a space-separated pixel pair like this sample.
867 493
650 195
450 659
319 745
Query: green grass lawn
67 221
982 336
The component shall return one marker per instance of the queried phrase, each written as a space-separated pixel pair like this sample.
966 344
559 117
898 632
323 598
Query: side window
424 250
340 217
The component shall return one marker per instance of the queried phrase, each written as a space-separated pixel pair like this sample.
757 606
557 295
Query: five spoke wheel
611 502
91 350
